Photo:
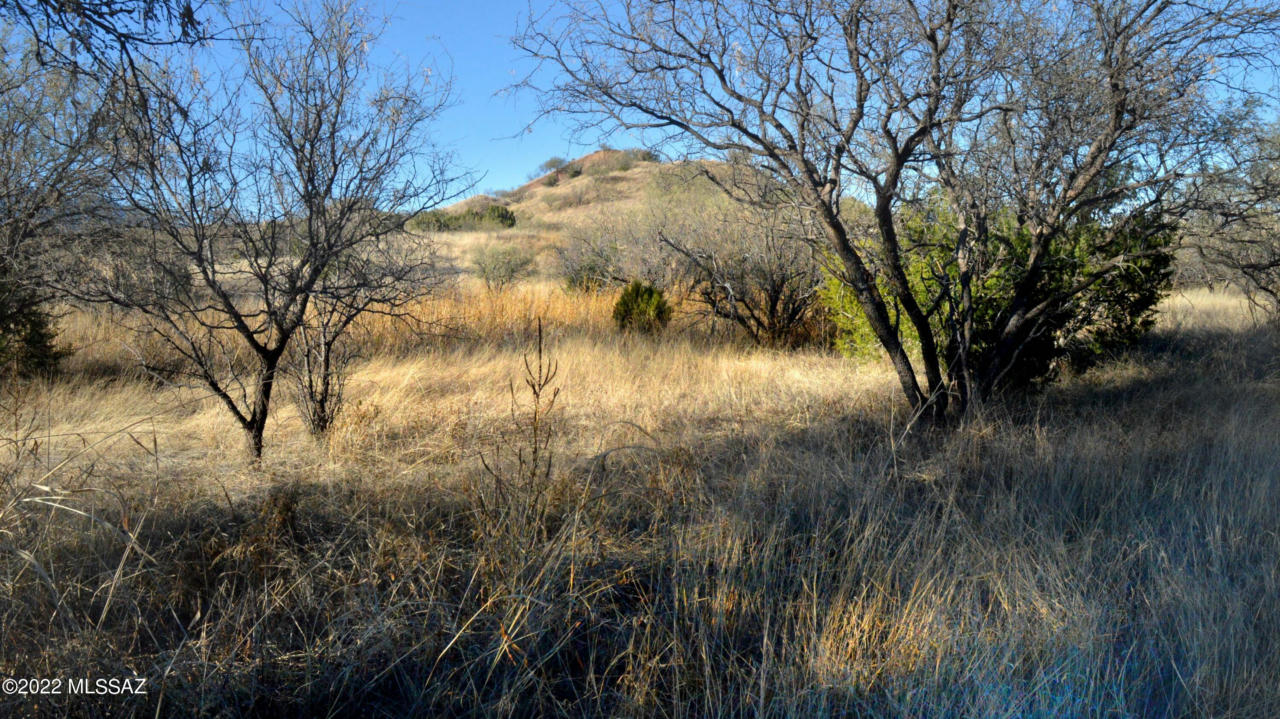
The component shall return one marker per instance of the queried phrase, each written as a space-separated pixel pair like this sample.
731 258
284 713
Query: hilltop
606 190
604 182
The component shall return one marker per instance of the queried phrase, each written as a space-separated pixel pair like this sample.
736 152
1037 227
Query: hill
611 189
604 182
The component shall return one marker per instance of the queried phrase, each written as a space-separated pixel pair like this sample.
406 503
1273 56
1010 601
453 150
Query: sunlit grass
724 531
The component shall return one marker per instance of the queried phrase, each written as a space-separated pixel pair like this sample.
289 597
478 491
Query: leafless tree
62 60
270 205
500 264
614 248
756 275
1002 108
1103 119
54 172
93 35
1236 236
750 263
753 262
809 90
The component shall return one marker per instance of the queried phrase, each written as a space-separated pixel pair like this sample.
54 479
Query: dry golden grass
718 531
458 248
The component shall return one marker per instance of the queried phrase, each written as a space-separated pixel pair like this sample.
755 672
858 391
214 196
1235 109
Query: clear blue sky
486 129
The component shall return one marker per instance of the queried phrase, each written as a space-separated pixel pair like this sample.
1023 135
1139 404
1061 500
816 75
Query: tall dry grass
707 530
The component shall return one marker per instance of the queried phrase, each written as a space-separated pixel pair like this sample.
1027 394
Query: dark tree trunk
873 307
935 400
256 425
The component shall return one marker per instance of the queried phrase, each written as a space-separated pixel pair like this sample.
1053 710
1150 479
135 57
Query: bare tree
614 248
1236 236
809 91
500 264
1001 108
54 171
271 206
752 263
62 60
92 35
1104 118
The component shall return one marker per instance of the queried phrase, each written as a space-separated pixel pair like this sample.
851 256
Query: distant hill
602 186
602 181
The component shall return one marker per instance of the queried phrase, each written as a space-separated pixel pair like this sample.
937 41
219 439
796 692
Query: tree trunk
256 426
960 368
936 397
873 307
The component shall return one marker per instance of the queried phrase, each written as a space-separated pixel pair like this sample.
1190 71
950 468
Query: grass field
681 526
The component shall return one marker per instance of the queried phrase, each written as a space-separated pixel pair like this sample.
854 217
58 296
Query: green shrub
641 307
1120 309
433 221
498 215
1107 316
27 335
491 217
853 336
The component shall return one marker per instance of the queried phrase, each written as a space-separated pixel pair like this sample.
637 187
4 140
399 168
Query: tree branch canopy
1060 142
89 34
267 204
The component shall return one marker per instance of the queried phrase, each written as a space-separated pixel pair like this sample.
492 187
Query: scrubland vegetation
932 372
674 525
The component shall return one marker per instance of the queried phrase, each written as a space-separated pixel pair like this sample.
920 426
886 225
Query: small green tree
551 165
641 307
26 334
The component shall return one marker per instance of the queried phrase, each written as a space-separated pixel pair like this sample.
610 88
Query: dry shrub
499 266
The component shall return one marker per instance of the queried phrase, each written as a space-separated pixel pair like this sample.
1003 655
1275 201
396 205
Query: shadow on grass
1083 551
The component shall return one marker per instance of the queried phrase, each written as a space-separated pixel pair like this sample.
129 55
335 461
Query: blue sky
486 129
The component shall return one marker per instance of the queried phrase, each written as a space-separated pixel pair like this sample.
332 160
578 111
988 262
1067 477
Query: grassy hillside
605 189
605 182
